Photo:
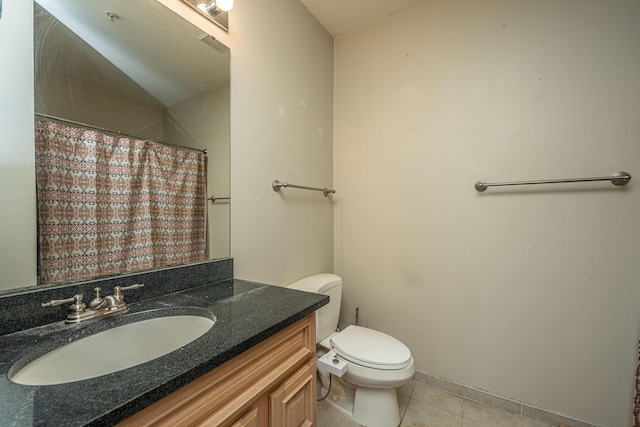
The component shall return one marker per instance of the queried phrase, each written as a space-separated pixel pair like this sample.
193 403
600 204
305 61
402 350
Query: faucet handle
134 286
117 291
55 302
77 307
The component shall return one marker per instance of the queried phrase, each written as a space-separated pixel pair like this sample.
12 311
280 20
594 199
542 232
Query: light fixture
224 5
212 7
214 10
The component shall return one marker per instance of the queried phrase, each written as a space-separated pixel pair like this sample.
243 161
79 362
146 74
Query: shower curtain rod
84 125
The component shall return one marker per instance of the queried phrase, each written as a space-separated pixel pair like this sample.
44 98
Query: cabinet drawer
220 395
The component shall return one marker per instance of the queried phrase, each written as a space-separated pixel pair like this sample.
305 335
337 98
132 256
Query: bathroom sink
113 350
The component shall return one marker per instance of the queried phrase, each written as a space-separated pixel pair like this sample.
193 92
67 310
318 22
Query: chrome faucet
98 307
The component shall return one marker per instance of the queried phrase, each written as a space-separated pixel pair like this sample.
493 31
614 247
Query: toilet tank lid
318 283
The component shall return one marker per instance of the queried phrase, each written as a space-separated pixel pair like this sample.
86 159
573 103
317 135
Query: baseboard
500 402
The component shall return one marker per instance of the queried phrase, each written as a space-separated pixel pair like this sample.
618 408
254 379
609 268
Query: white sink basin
113 350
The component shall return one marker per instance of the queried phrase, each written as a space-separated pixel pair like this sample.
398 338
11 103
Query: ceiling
341 16
138 46
149 43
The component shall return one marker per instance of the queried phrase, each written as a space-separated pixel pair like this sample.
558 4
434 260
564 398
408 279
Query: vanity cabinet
271 384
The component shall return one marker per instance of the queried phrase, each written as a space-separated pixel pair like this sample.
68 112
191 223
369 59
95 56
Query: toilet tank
327 316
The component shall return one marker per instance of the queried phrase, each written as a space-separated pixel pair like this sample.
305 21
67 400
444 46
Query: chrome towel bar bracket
616 178
214 199
277 185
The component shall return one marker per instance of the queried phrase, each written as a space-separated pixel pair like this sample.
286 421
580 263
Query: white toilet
376 362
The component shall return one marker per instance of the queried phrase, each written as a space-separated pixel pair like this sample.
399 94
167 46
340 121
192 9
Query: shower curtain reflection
112 204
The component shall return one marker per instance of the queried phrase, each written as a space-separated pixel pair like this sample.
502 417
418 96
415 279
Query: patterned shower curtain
112 204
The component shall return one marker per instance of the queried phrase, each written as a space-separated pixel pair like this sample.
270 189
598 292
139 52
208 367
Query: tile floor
425 406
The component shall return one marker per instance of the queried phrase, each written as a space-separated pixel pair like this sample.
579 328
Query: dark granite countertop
246 312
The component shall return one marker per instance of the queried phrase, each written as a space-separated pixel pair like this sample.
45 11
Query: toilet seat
371 348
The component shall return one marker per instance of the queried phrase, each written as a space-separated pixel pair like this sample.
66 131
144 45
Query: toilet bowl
376 363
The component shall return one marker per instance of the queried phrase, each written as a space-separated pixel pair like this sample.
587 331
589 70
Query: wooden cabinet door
293 403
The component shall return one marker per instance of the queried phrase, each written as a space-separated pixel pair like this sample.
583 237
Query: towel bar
276 185
616 178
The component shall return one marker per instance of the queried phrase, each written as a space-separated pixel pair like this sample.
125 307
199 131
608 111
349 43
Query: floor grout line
485 414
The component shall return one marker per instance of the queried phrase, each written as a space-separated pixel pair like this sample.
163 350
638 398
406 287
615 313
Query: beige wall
528 293
17 165
281 128
85 103
207 119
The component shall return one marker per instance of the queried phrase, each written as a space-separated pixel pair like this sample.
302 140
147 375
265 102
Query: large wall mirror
137 69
